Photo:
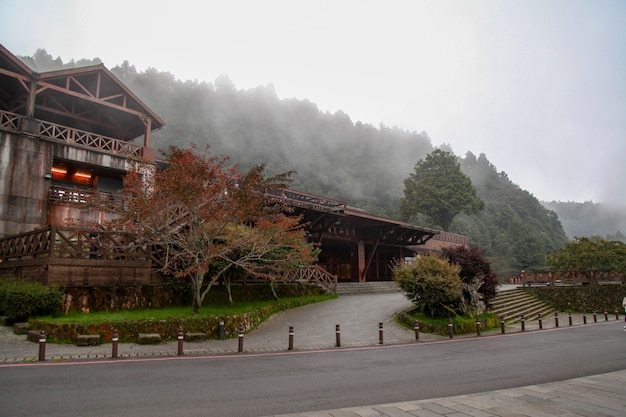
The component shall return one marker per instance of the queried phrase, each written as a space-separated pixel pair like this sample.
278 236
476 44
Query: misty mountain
335 157
590 219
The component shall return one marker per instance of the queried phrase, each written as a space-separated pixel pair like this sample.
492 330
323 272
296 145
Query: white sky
539 86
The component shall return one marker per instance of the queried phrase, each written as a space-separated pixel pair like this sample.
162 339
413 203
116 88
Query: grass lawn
209 310
461 324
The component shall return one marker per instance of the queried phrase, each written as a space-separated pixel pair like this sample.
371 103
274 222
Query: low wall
583 299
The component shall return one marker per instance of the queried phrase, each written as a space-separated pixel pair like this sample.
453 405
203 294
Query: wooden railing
314 275
568 277
66 242
66 195
18 123
10 121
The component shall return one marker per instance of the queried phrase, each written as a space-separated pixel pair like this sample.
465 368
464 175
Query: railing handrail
14 122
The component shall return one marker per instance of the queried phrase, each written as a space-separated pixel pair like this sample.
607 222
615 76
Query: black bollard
523 321
616 314
584 318
595 317
115 339
42 346
556 319
290 338
240 345
477 326
540 320
502 323
416 327
450 328
337 335
380 333
180 341
606 316
220 330
569 316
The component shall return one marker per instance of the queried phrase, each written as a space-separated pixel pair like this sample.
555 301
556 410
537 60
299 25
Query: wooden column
30 105
361 259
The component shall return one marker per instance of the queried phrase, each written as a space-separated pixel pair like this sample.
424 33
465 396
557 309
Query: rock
195 337
149 338
21 328
88 340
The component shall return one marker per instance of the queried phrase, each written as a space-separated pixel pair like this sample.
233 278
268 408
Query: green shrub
432 284
21 300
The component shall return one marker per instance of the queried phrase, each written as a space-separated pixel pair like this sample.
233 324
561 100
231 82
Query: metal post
523 320
606 316
416 327
584 318
337 336
220 330
115 339
595 317
42 346
290 338
450 328
540 320
180 341
380 333
616 314
477 326
556 319
569 316
502 323
240 346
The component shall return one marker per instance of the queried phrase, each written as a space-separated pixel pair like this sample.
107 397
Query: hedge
583 299
21 300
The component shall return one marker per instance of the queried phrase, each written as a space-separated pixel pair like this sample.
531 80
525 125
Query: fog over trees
336 157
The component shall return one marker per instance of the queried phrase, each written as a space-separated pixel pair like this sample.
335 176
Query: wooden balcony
46 130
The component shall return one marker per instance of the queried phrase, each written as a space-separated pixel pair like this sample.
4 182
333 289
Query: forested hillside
336 157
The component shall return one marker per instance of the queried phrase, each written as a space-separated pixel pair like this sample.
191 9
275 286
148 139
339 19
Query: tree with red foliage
475 271
209 219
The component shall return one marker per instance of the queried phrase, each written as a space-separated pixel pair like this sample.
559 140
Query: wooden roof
330 219
87 98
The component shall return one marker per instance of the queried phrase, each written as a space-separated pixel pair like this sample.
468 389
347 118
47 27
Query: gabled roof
88 98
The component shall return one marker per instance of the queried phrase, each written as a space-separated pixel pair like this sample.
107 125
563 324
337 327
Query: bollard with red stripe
115 339
181 338
42 346
240 345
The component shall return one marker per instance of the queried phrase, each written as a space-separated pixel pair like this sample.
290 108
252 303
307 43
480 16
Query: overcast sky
539 86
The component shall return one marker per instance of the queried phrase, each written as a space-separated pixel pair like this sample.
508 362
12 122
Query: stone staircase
513 303
371 287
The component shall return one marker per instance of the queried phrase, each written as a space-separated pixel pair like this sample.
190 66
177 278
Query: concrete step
511 304
371 287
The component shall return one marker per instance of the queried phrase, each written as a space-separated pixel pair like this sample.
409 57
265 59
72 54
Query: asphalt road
289 382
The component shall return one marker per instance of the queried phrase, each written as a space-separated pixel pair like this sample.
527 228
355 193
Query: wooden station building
69 136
